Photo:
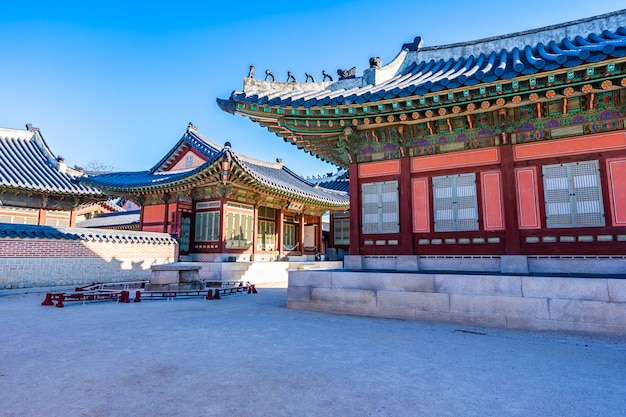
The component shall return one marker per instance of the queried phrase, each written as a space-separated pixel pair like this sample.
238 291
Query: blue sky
118 81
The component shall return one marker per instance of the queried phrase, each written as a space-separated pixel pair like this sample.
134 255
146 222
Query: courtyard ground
249 355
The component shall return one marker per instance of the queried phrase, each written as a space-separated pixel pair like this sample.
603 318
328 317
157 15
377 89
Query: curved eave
244 175
176 184
79 193
294 136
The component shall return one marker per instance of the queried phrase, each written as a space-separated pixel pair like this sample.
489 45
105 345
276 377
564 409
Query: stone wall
587 305
259 272
40 256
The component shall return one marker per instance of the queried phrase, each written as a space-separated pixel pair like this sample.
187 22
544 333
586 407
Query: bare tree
98 166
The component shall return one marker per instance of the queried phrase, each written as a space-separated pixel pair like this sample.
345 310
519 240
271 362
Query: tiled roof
338 181
418 71
109 220
22 231
273 175
277 176
191 139
26 163
128 181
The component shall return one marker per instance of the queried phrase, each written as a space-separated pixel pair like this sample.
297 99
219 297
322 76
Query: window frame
382 205
457 197
561 202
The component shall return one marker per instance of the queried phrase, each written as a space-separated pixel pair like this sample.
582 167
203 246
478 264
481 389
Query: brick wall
110 256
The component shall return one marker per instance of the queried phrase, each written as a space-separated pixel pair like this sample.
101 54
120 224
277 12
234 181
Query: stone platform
176 275
587 305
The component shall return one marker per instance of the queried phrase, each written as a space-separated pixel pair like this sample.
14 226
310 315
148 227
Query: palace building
509 145
37 187
225 206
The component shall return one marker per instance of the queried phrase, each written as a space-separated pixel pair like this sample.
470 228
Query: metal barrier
98 292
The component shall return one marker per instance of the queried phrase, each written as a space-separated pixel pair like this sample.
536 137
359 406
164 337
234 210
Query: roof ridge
550 32
246 158
190 136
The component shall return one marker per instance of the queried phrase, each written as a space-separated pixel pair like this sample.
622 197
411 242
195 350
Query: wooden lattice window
207 226
341 231
380 207
573 195
455 203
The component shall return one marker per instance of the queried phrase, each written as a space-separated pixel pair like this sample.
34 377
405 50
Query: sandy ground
248 355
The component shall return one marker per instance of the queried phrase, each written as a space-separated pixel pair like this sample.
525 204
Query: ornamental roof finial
415 45
345 74
375 62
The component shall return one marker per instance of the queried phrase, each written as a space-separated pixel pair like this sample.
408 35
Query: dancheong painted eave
425 83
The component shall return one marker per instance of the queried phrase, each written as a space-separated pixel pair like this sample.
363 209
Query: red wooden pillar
355 210
42 216
280 230
255 229
73 218
301 233
405 208
509 188
320 236
141 212
223 224
166 214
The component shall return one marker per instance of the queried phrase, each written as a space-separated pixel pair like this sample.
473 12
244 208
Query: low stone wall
587 305
259 272
507 264
42 256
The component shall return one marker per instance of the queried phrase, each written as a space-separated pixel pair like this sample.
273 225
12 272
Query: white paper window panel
444 215
465 191
443 192
558 208
556 184
587 207
467 213
584 181
370 199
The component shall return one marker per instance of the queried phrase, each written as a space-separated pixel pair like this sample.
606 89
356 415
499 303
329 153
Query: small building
225 206
37 187
510 145
118 220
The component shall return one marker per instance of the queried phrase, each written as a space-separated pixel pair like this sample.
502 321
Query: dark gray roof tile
26 163
466 64
108 220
